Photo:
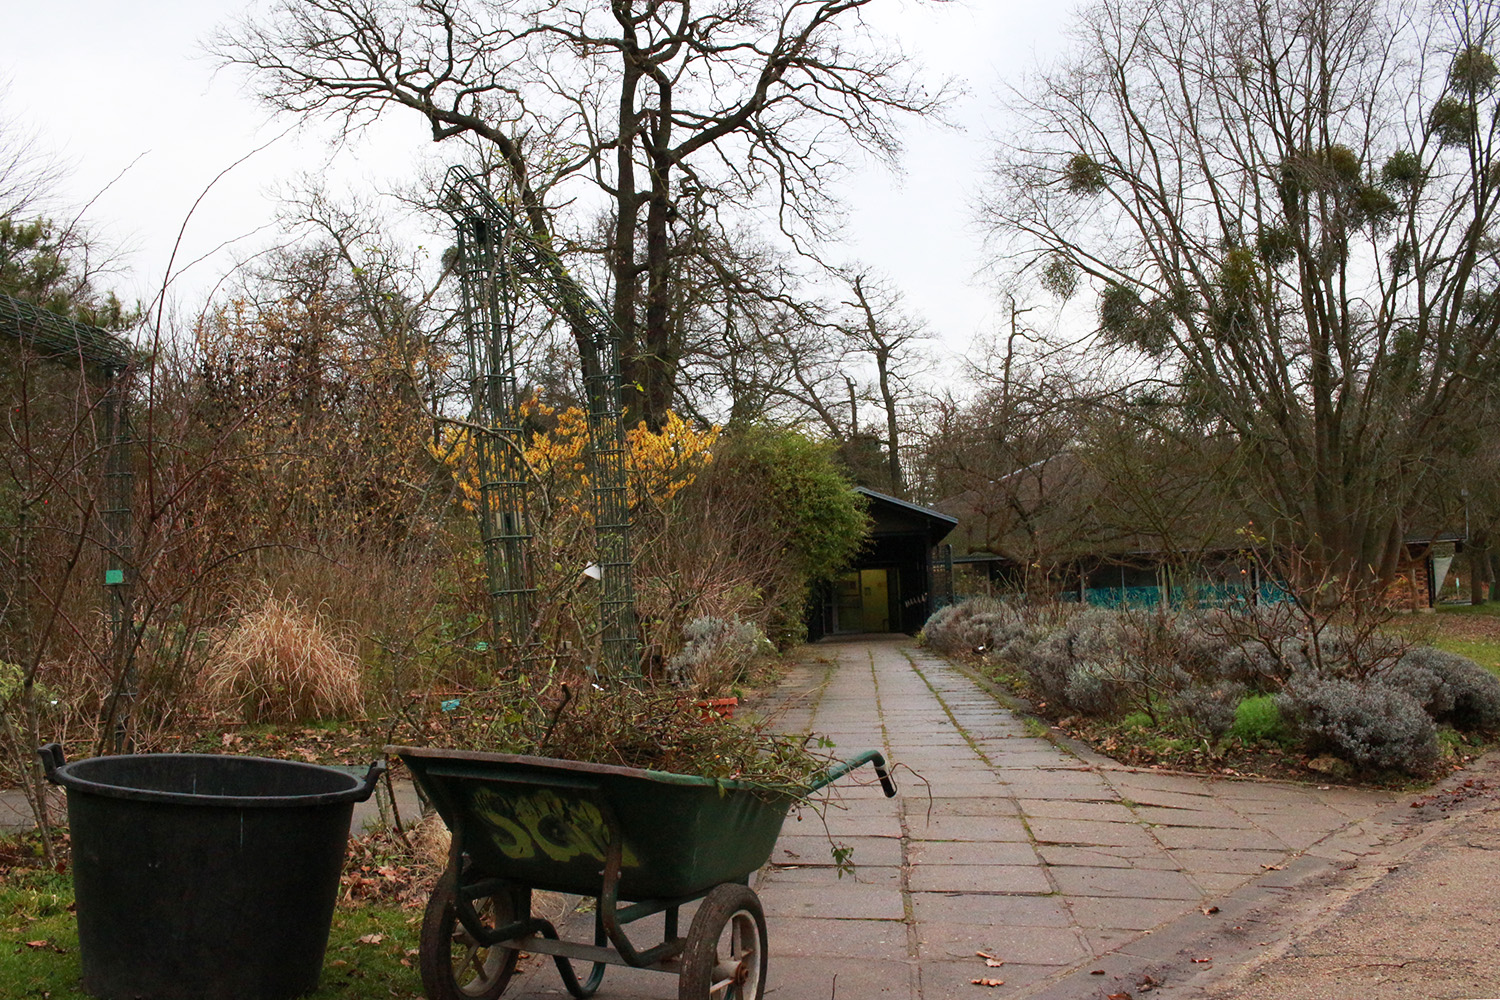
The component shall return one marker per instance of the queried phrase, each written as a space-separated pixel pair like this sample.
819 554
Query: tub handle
372 776
52 759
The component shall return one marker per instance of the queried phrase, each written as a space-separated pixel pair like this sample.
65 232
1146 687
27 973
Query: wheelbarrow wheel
725 955
454 965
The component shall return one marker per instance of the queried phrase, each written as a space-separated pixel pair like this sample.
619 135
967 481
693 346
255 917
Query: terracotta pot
721 708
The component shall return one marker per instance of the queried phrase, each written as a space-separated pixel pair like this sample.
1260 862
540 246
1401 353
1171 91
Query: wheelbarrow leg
565 969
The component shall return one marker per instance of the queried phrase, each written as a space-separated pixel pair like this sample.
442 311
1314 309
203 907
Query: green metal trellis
103 356
497 256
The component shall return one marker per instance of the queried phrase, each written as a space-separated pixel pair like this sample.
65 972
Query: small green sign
114 577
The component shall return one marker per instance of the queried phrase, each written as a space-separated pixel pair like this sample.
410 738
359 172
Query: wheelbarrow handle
837 771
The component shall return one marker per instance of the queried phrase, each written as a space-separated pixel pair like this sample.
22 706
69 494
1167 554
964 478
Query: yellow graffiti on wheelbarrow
522 824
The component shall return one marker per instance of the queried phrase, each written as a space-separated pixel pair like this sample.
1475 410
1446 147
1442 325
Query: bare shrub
744 539
279 663
1097 687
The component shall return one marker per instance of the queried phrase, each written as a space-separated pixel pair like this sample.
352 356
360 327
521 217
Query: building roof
903 515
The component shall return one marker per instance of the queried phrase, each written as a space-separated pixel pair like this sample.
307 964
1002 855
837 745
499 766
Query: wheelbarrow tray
548 824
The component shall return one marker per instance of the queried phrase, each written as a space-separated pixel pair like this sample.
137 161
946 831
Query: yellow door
874 592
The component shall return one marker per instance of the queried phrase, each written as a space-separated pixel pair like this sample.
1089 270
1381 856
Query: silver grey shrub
1368 724
717 652
1210 707
1096 687
1454 689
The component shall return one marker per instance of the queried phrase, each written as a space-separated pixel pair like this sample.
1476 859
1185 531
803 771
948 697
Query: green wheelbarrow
639 842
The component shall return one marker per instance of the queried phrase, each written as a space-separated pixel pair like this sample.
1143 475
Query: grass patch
371 950
1258 720
1006 676
1484 652
1490 608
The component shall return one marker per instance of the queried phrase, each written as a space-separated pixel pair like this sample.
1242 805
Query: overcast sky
113 87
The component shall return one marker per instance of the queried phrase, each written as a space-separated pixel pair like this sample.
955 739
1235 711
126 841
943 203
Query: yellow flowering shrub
659 464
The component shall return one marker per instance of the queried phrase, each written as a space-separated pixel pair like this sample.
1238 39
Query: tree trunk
1479 568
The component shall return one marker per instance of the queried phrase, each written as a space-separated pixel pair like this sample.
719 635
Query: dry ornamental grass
280 663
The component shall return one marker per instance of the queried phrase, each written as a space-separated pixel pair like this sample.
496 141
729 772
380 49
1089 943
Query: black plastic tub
203 876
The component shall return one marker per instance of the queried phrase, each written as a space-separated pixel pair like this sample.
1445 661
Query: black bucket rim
359 790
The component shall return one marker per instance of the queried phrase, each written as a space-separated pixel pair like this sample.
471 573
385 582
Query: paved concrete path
1044 858
1056 862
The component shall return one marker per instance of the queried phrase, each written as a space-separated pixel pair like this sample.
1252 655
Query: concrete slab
1123 913
877 875
821 978
821 937
945 980
845 900
1132 883
1008 943
1230 862
1085 833
982 828
1026 879
1174 837
1213 817
1007 911
970 852
816 849
1108 812
975 805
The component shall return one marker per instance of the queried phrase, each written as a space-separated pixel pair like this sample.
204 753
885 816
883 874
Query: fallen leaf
994 963
37 944
988 982
372 939
1209 911
1097 972
983 954
1202 961
1120 996
1274 868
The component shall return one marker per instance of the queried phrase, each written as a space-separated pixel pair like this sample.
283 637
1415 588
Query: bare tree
1287 208
1004 458
27 177
675 111
877 329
